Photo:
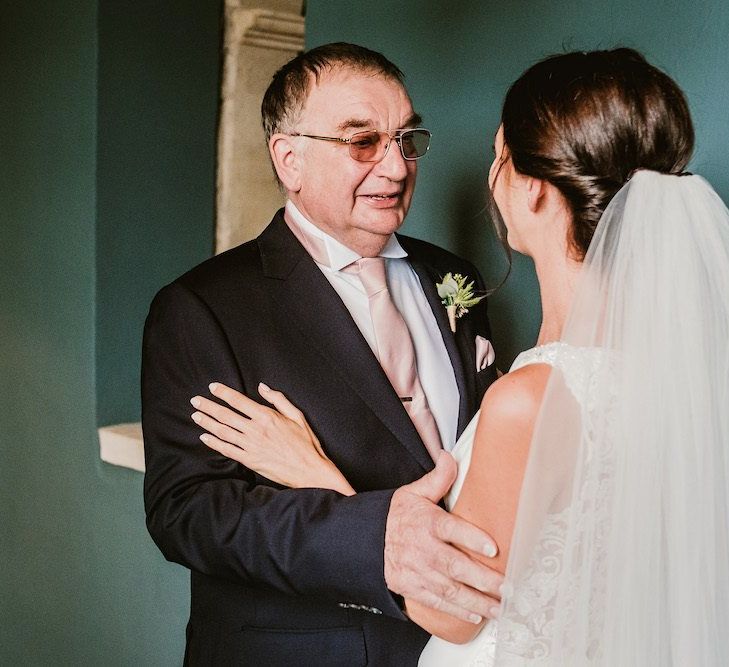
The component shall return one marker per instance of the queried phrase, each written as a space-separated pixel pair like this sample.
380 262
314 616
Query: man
308 576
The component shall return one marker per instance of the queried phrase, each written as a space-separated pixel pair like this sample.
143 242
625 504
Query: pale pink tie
395 350
394 347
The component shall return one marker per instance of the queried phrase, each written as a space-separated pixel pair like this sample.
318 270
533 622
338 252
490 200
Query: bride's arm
491 489
276 443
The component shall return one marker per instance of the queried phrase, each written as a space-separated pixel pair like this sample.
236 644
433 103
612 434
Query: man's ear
285 160
536 190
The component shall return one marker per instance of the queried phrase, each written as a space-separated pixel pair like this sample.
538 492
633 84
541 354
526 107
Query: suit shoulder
217 275
421 247
205 285
240 266
226 281
230 263
435 255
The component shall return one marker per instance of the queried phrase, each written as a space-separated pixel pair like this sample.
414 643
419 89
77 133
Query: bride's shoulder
517 395
508 414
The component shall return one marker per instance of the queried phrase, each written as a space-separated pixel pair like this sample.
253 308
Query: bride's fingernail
490 550
475 619
196 416
264 387
195 400
213 386
205 438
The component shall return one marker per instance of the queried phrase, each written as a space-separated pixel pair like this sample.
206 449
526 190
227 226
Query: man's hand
424 560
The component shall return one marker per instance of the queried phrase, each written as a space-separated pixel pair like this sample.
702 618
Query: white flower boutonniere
457 296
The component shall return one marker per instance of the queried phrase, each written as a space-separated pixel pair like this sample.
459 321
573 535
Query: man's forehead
411 120
354 99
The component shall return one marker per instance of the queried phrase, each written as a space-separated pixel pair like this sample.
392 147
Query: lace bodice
522 641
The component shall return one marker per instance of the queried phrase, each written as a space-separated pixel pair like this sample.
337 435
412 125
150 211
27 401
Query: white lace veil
621 549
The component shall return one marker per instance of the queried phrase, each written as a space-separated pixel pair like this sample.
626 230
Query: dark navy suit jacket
286 576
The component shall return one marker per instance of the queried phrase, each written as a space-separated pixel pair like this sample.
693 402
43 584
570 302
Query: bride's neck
557 275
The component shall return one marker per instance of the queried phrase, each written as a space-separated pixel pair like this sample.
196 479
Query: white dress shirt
434 366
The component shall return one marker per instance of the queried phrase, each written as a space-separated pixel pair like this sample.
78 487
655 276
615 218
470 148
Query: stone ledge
122 445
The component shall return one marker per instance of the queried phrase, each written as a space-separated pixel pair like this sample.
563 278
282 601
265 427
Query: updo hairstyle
585 121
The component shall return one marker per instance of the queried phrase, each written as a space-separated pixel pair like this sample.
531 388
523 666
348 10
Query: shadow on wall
514 307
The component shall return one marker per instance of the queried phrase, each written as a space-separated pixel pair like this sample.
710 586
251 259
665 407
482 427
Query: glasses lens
365 146
414 143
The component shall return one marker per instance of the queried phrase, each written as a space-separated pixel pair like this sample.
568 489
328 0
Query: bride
600 463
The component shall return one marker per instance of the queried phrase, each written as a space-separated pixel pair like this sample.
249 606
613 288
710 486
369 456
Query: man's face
359 203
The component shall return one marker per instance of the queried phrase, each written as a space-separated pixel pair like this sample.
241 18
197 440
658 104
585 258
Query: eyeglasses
372 145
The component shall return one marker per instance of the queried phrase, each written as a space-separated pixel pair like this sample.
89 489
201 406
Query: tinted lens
365 146
414 143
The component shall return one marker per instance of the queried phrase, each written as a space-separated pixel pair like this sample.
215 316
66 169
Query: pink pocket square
485 355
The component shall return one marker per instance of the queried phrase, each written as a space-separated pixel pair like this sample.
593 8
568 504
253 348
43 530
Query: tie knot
372 274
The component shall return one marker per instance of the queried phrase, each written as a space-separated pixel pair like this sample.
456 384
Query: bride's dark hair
585 121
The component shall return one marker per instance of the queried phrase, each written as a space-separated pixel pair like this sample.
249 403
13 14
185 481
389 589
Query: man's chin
383 221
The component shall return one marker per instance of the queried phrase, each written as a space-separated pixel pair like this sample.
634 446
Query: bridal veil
633 467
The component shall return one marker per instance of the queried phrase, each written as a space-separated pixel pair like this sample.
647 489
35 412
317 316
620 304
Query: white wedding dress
621 541
522 641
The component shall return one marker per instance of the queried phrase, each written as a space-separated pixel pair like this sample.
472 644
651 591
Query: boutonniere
457 296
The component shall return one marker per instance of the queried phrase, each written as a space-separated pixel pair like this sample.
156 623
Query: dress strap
541 354
583 368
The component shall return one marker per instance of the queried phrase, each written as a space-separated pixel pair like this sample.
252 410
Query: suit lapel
299 287
457 345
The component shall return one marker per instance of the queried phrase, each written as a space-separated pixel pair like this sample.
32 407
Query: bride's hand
278 444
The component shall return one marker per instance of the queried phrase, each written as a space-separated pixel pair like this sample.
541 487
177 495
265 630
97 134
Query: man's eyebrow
355 124
366 124
414 121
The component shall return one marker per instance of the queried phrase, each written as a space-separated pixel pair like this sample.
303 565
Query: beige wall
260 36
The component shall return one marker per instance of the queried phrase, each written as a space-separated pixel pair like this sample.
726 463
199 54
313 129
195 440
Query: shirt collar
339 254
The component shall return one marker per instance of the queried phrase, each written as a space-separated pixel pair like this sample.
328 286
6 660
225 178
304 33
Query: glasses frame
396 135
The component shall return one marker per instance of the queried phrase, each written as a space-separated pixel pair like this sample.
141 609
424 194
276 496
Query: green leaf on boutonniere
457 296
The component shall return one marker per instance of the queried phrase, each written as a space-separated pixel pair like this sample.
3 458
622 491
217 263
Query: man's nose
393 165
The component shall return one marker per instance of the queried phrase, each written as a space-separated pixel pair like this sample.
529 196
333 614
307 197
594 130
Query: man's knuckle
453 567
450 592
434 601
443 524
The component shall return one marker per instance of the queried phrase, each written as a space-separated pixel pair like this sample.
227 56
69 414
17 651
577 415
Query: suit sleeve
209 513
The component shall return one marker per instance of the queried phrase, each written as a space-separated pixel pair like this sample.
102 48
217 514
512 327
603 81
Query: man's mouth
383 197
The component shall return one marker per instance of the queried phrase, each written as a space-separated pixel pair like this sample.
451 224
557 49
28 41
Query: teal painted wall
459 59
159 70
48 74
81 583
